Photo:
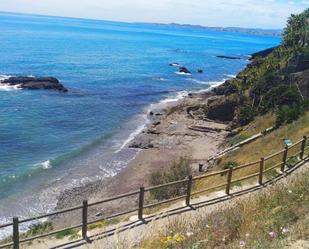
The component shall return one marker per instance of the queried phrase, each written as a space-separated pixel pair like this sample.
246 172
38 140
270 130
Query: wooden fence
279 160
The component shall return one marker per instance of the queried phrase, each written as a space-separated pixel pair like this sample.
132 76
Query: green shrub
238 138
179 170
40 228
280 96
287 114
246 115
69 232
296 32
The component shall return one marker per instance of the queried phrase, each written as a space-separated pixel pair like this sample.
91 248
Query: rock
159 114
33 83
298 63
222 109
227 88
141 143
156 123
200 71
228 57
153 131
151 113
184 70
263 53
99 214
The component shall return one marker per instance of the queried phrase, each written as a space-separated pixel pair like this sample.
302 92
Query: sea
116 73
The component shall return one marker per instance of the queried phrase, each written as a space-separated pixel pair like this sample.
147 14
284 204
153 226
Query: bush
40 228
178 171
287 114
280 96
246 115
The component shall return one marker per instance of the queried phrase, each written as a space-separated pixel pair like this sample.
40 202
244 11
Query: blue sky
242 13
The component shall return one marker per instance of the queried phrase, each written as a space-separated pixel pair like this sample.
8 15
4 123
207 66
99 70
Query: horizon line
138 22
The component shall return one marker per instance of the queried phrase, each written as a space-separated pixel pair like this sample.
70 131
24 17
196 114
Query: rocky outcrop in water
228 57
34 83
184 70
263 53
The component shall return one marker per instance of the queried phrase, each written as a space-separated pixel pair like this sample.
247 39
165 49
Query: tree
297 31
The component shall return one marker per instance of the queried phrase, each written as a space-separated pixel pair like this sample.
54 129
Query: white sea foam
180 95
230 75
175 65
7 87
137 131
45 165
161 79
182 73
199 81
144 119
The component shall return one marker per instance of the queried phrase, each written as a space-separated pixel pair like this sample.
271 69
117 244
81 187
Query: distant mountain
253 31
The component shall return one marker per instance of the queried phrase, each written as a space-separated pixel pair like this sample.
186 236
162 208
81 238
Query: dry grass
270 143
271 219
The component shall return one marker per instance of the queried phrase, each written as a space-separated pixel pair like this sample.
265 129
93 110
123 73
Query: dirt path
128 234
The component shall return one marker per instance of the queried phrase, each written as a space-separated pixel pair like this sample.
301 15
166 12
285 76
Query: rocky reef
34 83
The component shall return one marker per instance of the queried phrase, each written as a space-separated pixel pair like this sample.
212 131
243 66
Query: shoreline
67 196
166 137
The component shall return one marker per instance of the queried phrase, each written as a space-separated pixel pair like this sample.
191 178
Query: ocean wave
230 75
7 87
132 135
198 81
145 120
209 83
4 77
160 79
180 95
44 165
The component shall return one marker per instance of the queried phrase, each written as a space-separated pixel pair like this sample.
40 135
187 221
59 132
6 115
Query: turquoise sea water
114 71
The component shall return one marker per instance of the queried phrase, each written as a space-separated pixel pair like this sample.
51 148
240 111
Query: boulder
184 70
34 83
222 108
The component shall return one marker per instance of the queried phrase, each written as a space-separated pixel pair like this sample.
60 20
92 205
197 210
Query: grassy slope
268 144
274 218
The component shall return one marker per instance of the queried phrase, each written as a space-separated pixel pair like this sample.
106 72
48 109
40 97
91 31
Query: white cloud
245 13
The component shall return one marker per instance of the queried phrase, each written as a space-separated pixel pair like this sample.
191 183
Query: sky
226 13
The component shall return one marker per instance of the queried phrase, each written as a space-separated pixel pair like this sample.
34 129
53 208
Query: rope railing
187 186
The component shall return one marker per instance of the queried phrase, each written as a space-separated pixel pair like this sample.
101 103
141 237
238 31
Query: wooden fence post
15 233
229 180
189 188
84 219
303 145
262 163
141 203
285 156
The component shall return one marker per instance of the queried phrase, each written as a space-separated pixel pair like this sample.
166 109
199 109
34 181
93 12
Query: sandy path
129 234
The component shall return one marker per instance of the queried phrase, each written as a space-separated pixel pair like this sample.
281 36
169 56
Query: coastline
167 136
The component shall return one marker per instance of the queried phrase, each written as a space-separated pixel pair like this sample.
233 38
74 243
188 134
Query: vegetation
270 219
72 233
267 84
269 143
297 32
179 170
103 223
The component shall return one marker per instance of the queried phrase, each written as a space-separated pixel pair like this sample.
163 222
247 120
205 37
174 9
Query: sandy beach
176 131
